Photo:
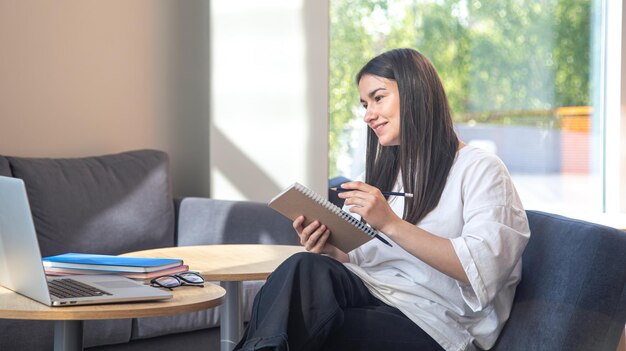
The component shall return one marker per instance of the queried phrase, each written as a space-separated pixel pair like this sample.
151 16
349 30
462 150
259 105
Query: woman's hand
314 238
368 202
434 250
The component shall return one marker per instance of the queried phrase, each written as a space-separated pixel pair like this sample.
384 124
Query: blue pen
386 193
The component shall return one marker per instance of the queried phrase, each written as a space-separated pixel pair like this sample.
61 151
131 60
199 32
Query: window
519 82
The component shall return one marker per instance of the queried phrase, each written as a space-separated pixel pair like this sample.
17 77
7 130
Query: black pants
313 302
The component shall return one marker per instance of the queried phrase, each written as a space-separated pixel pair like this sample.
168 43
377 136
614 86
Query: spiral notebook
347 233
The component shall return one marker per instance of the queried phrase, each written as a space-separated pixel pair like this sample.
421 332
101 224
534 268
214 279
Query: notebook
110 262
347 233
21 268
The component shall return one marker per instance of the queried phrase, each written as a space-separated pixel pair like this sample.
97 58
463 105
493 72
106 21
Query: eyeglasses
175 280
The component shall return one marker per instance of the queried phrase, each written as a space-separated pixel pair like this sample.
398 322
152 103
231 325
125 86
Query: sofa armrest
203 221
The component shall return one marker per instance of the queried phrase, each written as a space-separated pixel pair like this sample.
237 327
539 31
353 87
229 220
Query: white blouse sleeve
494 234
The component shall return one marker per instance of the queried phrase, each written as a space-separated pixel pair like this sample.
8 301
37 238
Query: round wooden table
231 265
68 326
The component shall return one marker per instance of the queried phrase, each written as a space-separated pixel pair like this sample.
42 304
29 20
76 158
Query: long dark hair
428 142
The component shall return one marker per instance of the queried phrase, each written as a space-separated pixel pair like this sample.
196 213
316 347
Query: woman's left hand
368 202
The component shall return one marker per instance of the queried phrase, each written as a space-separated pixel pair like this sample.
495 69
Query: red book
132 275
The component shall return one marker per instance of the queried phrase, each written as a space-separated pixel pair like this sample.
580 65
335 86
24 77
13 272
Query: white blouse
482 215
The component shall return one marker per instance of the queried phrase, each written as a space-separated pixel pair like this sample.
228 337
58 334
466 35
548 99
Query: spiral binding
335 209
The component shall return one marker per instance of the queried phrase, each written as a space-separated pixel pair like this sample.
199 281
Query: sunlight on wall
268 97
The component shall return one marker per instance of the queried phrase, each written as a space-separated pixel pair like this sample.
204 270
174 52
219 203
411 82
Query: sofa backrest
5 169
573 290
104 204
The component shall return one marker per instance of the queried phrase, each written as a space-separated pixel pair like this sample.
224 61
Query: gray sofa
119 203
572 295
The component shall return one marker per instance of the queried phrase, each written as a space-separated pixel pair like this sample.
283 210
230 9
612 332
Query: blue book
110 262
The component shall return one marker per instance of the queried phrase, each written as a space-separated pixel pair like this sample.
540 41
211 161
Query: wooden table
231 265
68 326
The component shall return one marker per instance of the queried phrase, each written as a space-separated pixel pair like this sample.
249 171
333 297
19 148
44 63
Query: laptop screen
23 271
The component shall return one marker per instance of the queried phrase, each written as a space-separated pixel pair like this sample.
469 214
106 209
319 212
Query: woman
449 278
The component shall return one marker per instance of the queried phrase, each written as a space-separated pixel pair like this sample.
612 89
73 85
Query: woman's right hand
314 238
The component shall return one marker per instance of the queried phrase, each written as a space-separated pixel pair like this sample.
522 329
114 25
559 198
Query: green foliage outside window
527 57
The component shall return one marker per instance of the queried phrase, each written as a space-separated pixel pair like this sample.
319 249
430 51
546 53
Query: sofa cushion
106 332
38 335
5 170
204 221
106 204
180 323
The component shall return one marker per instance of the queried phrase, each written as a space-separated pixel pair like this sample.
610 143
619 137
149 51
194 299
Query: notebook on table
21 268
110 262
347 233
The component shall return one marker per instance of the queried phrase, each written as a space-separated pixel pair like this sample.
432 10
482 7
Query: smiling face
381 100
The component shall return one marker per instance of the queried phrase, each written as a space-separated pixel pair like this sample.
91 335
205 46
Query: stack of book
140 268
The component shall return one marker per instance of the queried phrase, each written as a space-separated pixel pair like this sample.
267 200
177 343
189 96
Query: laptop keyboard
68 288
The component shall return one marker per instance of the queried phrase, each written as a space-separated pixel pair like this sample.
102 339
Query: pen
386 193
383 240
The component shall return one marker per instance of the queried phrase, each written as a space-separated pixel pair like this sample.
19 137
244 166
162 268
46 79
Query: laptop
21 269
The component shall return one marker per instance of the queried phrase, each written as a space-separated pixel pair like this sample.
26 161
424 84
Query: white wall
269 87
